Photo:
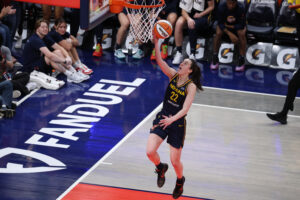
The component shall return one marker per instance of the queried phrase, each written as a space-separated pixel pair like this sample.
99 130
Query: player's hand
166 121
68 60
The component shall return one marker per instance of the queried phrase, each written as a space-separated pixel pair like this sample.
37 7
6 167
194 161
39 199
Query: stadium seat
261 20
285 31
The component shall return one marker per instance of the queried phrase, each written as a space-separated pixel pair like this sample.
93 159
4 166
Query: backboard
92 12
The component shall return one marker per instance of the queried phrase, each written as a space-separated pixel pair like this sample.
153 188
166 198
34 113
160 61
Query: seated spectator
124 21
37 56
231 20
60 35
20 80
6 106
6 9
170 13
196 16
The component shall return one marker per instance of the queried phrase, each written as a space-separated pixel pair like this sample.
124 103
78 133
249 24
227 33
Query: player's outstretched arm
167 70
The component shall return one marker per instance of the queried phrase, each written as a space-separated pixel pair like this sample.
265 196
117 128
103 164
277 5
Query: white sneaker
31 86
192 57
84 69
74 78
83 76
16 94
178 58
139 54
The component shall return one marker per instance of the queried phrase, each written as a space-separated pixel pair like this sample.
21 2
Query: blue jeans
5 33
6 90
13 21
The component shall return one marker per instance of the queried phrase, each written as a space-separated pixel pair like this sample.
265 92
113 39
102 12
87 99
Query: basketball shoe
164 51
178 190
152 57
278 117
178 58
139 54
119 54
161 175
241 64
98 51
215 62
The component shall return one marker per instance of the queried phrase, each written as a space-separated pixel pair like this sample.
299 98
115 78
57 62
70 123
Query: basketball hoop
142 15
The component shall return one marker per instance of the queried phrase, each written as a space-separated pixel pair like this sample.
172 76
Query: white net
142 19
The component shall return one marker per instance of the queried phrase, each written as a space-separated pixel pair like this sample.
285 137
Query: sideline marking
237 109
110 152
246 92
27 96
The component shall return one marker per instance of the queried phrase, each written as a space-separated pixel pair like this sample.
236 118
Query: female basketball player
170 121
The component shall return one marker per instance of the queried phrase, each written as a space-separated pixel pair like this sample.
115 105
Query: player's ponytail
196 74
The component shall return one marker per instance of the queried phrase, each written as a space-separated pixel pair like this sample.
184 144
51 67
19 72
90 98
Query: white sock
72 69
77 63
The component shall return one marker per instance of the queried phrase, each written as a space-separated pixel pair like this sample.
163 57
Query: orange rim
126 3
294 6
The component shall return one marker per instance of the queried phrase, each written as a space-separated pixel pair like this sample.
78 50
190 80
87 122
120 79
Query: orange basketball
163 29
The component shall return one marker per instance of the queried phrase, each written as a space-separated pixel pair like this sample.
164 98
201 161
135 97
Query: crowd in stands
50 49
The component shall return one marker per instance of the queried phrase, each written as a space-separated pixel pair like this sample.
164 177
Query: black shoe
161 175
278 117
178 190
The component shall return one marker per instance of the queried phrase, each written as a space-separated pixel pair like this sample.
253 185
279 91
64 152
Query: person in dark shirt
37 56
170 121
196 17
231 21
60 35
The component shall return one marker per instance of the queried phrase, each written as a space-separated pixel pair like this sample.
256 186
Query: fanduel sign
74 120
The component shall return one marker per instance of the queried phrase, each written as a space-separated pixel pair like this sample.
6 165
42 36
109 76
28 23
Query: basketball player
294 83
170 121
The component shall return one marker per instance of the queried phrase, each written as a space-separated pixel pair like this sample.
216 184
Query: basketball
163 29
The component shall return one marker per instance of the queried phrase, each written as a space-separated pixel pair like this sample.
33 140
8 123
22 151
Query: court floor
87 141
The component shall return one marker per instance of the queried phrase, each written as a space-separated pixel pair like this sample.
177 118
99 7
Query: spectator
37 56
124 21
196 16
6 10
6 90
231 20
170 13
19 80
60 35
